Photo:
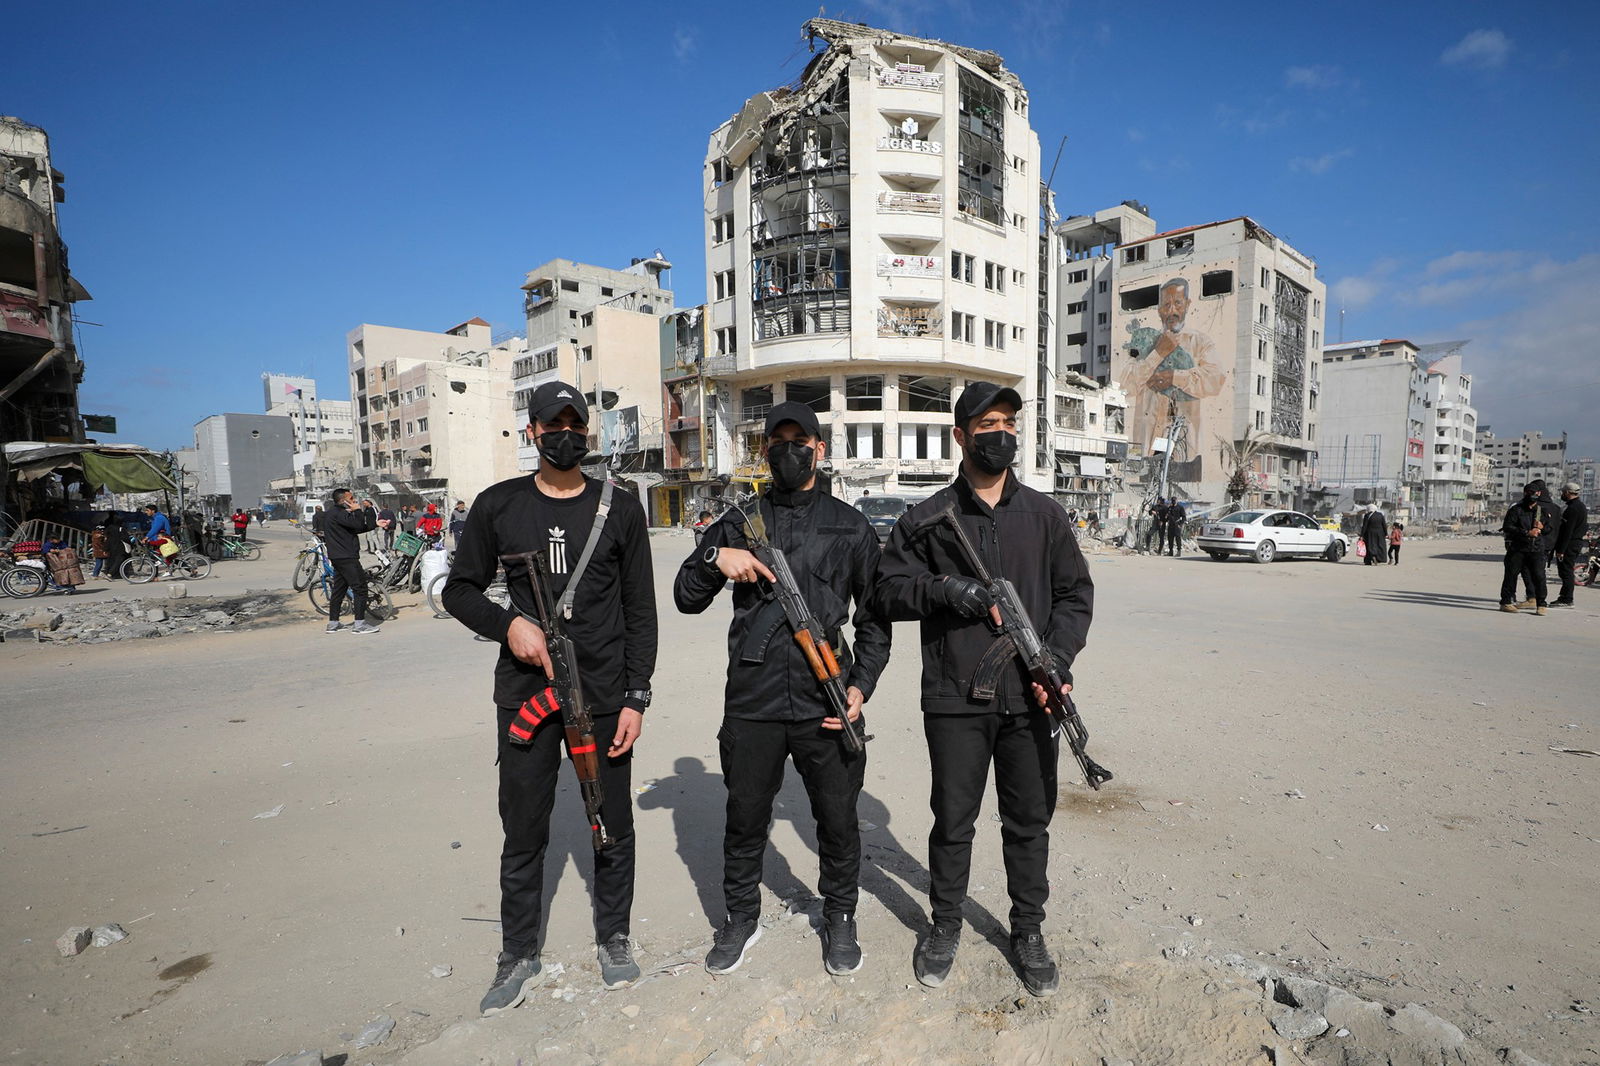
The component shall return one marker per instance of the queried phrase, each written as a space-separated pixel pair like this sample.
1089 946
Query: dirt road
1329 769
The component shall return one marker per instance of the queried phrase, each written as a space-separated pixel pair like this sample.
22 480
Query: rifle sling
571 593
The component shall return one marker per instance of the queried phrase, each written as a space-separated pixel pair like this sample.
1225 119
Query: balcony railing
716 365
911 203
910 322
900 78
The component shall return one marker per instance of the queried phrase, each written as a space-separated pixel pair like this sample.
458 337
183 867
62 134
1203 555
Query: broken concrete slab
1422 1024
1299 1023
300 1058
108 934
73 941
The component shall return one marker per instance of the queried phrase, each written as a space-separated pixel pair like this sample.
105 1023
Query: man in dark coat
1375 535
1569 541
1524 531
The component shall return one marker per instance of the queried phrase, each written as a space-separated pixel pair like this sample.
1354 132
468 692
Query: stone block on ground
177 590
20 636
299 1058
74 940
217 618
1423 1025
1299 1023
1341 1008
375 1032
156 614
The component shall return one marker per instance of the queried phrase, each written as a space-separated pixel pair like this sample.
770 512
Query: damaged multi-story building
877 237
39 366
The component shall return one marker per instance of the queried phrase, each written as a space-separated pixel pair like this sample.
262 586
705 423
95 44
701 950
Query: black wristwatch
641 696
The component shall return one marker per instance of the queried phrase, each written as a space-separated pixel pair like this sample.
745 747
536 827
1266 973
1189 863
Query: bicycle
24 580
305 564
320 592
143 566
237 547
497 592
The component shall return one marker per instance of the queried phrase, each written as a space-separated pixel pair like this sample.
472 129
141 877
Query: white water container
434 561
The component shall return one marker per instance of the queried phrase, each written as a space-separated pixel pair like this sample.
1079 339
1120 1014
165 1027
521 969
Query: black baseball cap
551 398
796 412
979 396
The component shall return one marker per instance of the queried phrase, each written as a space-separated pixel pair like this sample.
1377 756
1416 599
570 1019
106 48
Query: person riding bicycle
159 533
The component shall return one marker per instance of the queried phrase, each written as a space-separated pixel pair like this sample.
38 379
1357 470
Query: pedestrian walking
1569 541
458 522
598 549
1396 535
1523 530
1023 536
116 545
1158 526
386 523
99 547
1176 516
773 708
342 526
1375 535
319 524
241 522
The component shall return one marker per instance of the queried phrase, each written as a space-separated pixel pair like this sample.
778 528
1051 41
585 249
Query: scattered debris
440 971
454 844
73 941
106 935
631 1010
270 814
1195 919
375 1032
1295 794
57 832
301 1058
1380 827
1574 751
1299 1023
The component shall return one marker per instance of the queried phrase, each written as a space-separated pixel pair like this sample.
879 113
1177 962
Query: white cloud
684 43
1483 49
1135 134
1320 164
1313 77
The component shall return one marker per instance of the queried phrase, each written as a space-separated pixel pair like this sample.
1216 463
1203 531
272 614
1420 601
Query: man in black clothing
342 526
1022 536
1569 541
1524 531
1158 526
1175 519
773 707
612 622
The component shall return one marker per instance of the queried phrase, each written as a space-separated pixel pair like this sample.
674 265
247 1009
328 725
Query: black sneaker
1039 974
617 967
1561 603
936 954
514 978
841 954
732 941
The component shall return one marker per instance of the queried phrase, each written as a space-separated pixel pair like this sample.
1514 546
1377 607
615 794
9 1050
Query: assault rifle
1015 635
808 633
564 694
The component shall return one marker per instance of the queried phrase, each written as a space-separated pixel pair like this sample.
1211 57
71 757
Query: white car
1264 535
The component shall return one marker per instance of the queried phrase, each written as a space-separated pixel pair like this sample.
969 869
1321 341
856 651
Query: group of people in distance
1535 531
774 710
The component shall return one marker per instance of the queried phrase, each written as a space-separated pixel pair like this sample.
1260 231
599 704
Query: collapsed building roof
743 132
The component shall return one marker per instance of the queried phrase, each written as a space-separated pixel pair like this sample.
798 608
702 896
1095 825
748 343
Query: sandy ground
1263 723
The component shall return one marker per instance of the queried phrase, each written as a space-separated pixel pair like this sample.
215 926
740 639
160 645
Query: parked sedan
883 512
1264 535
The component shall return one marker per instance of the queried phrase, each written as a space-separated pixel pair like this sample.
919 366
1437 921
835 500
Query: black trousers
753 754
528 777
1529 566
1157 533
1174 540
1394 554
1567 567
347 576
961 747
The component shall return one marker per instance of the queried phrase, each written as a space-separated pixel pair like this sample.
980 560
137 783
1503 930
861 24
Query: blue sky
249 182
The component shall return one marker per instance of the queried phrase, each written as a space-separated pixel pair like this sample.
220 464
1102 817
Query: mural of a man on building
1172 366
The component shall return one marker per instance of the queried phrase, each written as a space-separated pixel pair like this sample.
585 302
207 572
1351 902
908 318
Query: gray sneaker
334 627
1038 969
841 952
363 626
617 967
732 941
513 979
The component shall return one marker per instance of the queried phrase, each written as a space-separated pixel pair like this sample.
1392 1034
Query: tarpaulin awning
118 469
123 473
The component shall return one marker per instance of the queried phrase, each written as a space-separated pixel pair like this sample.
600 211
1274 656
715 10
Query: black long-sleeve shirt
1574 524
613 623
1024 538
833 553
342 529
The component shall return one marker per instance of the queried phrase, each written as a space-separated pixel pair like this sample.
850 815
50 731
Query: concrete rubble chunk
217 618
1422 1024
73 941
1341 1008
155 614
1299 1023
440 971
42 619
300 1058
106 935
177 590
375 1032
18 636
1512 1057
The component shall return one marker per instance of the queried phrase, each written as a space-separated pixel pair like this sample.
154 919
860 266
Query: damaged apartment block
39 367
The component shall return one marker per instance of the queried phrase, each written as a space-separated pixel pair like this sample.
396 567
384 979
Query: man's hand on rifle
630 723
526 642
1041 697
742 566
853 700
965 596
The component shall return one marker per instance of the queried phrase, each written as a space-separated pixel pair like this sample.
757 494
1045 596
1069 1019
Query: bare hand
526 642
630 723
1160 381
741 566
853 699
1041 697
1166 343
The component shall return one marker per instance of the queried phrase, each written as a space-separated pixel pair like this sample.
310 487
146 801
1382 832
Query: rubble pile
130 618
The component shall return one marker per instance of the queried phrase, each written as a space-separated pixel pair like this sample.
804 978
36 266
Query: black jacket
1574 524
834 555
1025 539
1519 523
342 529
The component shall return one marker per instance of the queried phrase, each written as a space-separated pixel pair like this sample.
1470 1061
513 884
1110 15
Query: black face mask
563 448
992 452
792 464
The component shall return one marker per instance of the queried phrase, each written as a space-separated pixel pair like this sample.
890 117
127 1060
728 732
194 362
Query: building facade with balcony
1515 461
873 244
1451 441
39 366
1372 429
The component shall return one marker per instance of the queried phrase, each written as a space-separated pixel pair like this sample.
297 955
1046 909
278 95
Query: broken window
1081 306
924 393
1180 245
1135 254
568 285
1139 299
863 393
727 340
1216 283
1078 338
754 403
961 326
724 284
1077 277
815 393
864 441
